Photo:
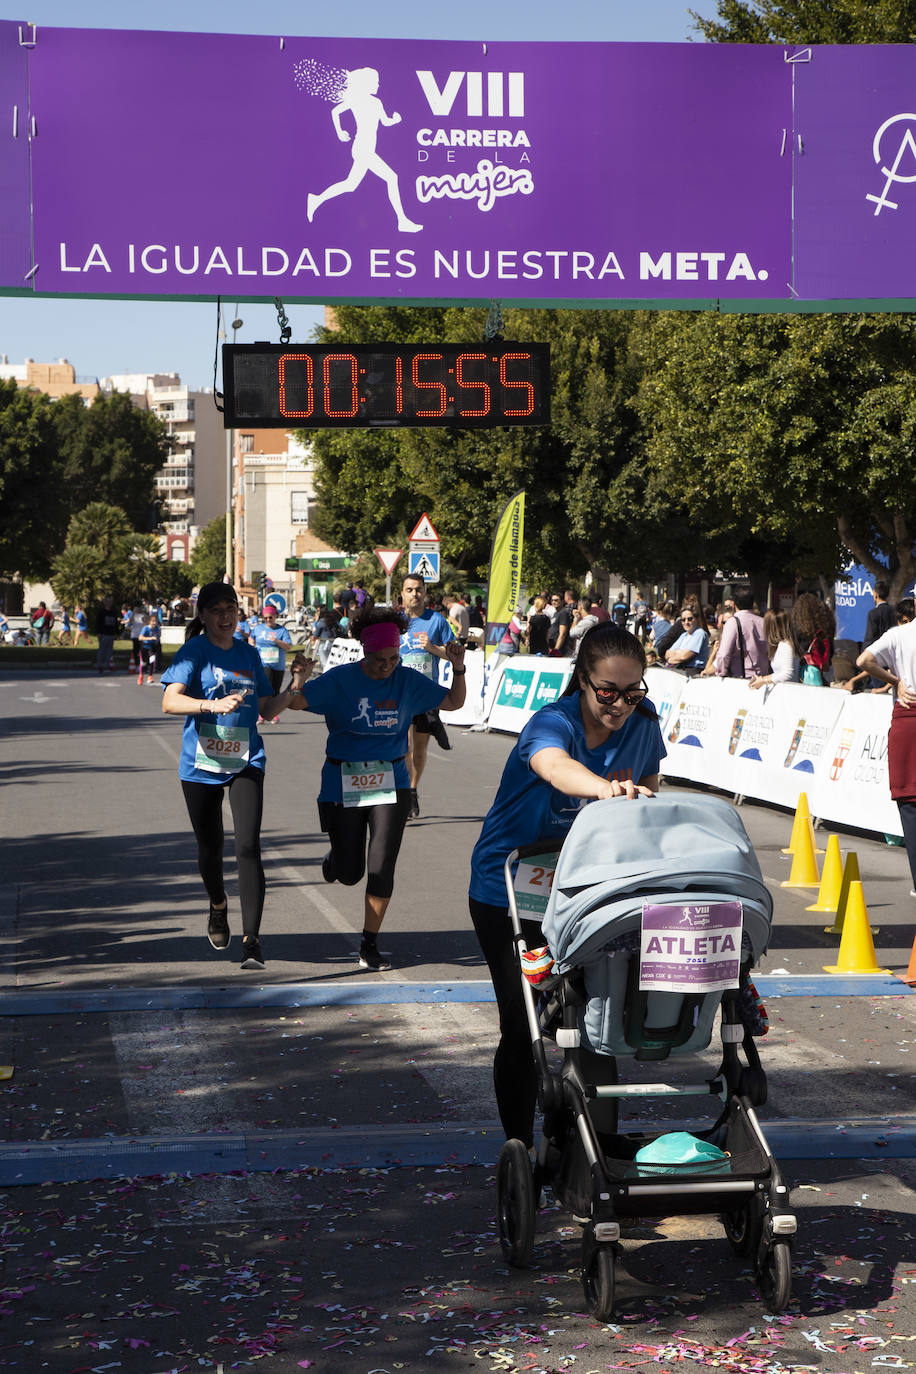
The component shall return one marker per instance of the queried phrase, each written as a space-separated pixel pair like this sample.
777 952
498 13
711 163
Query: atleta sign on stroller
657 913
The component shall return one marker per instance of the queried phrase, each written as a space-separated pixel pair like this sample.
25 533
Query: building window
300 507
246 443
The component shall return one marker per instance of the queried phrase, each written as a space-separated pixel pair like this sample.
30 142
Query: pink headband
383 636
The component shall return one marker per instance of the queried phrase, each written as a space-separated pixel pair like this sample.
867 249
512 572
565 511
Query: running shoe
438 730
251 953
140 680
218 927
414 812
371 957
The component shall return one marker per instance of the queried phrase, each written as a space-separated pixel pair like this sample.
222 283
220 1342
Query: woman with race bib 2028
365 787
218 683
600 740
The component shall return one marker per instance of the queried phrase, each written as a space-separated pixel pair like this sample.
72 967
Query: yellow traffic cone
850 875
857 948
908 977
802 816
828 897
804 865
801 823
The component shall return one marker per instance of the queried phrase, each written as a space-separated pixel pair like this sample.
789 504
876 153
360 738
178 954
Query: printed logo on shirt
619 775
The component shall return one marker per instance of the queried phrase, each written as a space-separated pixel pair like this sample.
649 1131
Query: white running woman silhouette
363 714
360 97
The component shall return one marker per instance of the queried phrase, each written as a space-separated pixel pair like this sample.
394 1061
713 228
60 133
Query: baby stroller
656 915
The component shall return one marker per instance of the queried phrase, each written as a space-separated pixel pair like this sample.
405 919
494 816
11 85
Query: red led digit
399 385
434 386
309 385
521 386
350 360
481 386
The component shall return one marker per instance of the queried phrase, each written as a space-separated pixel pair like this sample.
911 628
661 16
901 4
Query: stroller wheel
775 1276
515 1204
743 1229
598 1282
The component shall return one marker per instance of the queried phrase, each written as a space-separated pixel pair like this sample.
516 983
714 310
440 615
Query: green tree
32 505
109 451
373 485
810 21
80 576
208 558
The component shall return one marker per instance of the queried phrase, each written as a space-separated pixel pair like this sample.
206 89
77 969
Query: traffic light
259 580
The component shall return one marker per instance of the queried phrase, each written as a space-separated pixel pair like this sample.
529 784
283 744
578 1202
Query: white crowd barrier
770 744
775 742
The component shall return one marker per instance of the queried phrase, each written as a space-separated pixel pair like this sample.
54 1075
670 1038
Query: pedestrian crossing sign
425 565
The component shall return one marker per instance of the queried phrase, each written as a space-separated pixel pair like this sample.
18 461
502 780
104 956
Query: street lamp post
230 437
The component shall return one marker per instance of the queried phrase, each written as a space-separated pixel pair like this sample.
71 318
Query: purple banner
855 198
690 948
384 169
15 221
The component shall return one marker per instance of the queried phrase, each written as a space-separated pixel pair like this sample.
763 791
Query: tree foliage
208 557
103 554
810 21
58 457
31 501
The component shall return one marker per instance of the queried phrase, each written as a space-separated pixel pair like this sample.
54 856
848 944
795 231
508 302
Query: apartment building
191 487
54 379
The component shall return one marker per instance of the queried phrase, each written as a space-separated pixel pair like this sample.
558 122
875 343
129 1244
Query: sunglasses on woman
607 696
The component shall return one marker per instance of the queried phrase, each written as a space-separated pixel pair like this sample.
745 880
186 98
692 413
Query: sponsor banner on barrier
772 744
851 786
779 739
527 685
698 736
665 691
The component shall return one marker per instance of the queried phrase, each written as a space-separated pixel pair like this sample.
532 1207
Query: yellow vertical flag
505 570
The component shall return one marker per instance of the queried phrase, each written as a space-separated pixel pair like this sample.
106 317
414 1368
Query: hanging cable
220 334
286 329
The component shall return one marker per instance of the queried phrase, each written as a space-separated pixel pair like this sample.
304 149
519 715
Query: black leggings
514 1072
205 807
347 828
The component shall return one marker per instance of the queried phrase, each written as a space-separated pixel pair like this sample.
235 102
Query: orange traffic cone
828 897
804 865
857 948
910 975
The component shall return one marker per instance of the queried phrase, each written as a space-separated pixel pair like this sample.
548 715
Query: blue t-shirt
211 672
81 620
149 635
527 809
435 625
698 642
368 718
268 640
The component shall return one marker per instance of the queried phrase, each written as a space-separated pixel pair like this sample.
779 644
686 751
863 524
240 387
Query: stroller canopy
665 848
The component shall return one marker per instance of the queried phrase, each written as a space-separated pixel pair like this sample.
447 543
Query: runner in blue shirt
424 642
365 786
218 684
600 740
149 647
269 638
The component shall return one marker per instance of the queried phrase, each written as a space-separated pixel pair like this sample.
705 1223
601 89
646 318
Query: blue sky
105 337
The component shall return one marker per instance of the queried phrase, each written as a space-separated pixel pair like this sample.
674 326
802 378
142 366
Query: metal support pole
230 578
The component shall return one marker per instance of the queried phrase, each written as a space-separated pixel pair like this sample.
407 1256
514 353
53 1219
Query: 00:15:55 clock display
310 385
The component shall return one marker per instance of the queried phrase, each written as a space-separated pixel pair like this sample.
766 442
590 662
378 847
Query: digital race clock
303 386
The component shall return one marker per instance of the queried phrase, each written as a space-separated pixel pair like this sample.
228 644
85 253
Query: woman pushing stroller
600 740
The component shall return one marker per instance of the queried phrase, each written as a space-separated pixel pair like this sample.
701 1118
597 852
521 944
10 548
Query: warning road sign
423 532
425 565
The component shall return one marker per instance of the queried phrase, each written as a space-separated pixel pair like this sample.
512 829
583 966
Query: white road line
327 910
160 739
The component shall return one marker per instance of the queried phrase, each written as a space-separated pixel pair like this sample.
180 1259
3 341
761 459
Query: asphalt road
202 1167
